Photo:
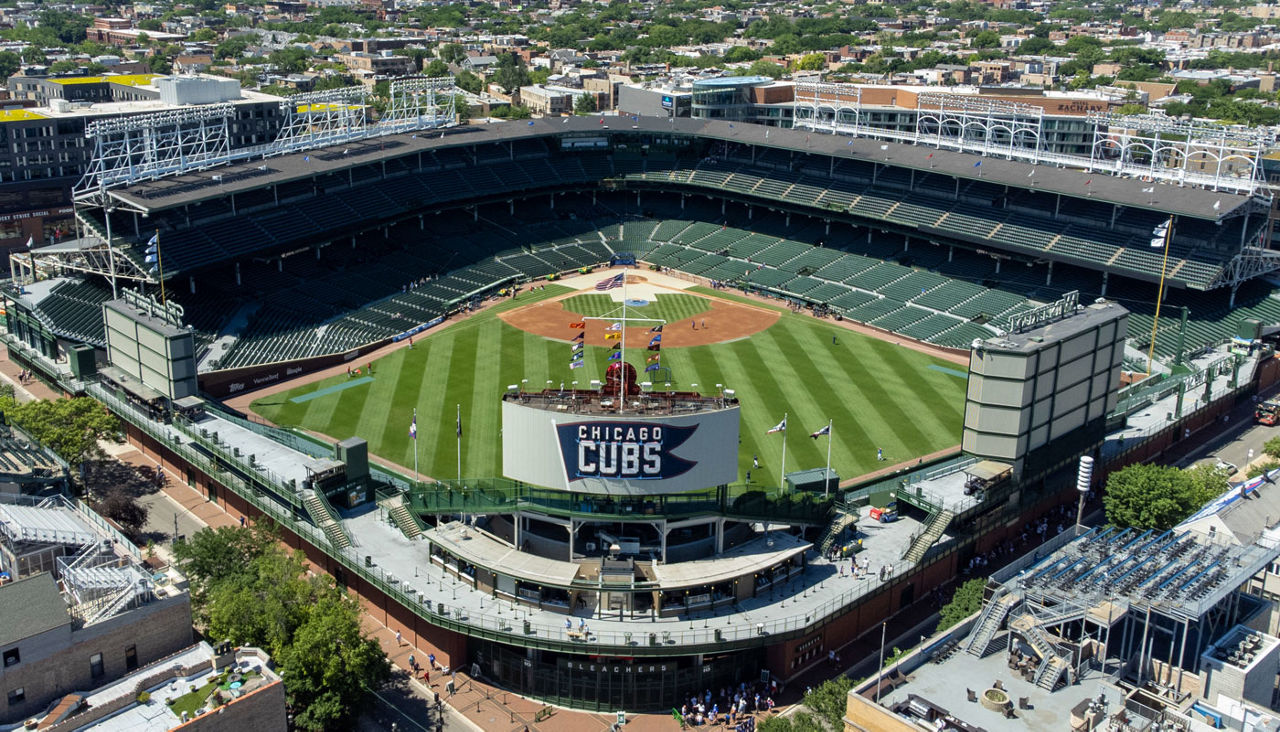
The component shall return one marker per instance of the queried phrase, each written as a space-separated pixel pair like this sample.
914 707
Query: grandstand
352 248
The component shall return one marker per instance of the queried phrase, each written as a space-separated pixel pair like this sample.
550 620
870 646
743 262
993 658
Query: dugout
813 480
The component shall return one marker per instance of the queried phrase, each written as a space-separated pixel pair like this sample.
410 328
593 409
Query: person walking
399 639
755 461
879 453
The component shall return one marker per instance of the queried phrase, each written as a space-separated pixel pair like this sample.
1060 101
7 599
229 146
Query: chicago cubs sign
544 443
626 450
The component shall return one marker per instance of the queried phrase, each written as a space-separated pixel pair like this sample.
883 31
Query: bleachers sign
1045 313
169 311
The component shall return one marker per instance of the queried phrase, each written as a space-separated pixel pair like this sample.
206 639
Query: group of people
739 706
25 376
1050 524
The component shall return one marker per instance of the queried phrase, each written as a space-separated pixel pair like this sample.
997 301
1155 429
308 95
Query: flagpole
459 431
415 444
826 477
782 482
160 261
622 352
1155 322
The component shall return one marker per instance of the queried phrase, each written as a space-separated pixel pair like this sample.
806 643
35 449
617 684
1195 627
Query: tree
435 69
1131 108
467 81
740 54
510 73
292 60
452 53
1158 496
811 62
212 557
965 601
204 35
766 68
123 508
1036 46
10 62
830 700
330 666
986 39
1272 447
232 47
584 104
72 428
798 722
33 55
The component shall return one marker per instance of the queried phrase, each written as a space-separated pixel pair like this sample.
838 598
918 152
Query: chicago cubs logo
623 450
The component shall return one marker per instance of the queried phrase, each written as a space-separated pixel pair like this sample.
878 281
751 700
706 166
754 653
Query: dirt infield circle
724 321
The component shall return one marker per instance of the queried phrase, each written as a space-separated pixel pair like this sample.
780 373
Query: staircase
1059 615
403 517
932 532
319 513
993 615
1052 664
844 518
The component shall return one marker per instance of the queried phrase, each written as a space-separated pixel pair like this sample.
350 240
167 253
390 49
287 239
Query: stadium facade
609 591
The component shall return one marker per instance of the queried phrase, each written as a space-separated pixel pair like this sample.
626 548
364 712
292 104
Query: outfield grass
668 307
878 394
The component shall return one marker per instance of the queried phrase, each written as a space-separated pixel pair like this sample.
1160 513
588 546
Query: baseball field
878 395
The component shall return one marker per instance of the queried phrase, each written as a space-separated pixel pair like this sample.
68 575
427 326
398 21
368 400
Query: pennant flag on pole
153 242
1217 205
929 156
616 347
656 329
612 336
615 326
413 426
779 427
459 422
978 164
576 347
652 367
1157 243
575 364
655 346
824 431
579 337
615 355
1152 189
579 324
654 357
655 339
31 241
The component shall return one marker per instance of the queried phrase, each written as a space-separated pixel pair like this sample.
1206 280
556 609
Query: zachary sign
623 450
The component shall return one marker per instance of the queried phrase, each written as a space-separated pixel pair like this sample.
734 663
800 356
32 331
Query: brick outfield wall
451 647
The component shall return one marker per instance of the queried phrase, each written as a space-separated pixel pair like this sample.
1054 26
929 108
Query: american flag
612 282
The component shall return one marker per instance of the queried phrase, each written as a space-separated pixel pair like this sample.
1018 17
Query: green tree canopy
510 73
291 60
766 68
71 428
1036 46
584 104
965 601
1159 496
248 588
811 62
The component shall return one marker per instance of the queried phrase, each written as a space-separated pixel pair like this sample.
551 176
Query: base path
724 321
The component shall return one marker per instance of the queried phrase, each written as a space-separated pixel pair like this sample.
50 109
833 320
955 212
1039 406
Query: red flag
579 324
929 156
654 357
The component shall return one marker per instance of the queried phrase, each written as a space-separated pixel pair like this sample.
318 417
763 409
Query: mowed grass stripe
878 394
667 306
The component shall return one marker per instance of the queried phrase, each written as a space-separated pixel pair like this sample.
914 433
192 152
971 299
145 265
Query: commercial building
757 99
83 611
44 150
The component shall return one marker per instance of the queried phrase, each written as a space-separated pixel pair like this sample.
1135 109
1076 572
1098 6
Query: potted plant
144 697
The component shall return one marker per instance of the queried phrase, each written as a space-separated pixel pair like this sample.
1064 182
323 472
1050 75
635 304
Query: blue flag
652 367
615 355
978 164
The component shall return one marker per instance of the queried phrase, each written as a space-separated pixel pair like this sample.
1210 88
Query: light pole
1160 236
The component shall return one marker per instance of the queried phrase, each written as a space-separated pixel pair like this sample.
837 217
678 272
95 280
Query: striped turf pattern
879 394
670 308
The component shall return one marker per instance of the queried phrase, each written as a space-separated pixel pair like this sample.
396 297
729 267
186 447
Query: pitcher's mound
724 321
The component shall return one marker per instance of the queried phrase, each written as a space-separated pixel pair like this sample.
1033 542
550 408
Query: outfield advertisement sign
625 455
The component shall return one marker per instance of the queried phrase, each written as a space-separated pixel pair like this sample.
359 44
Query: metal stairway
319 513
1052 664
993 615
933 531
843 519
403 517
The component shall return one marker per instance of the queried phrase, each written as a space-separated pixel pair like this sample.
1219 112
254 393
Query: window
11 657
131 658
17 696
95 665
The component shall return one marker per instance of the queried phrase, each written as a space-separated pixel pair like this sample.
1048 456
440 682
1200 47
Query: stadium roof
262 173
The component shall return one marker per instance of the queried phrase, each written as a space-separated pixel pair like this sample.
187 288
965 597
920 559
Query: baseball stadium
599 409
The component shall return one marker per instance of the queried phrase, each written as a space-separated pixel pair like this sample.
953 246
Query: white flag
1152 189
31 241
779 427
1217 205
